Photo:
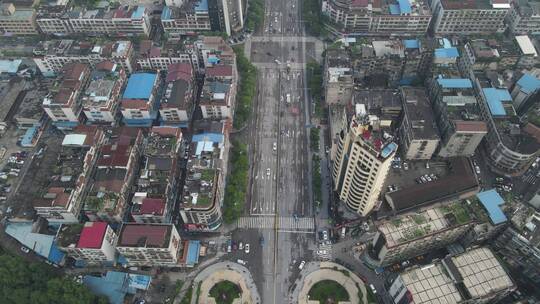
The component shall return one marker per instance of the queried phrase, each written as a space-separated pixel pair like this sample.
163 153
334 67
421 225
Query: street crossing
284 223
324 252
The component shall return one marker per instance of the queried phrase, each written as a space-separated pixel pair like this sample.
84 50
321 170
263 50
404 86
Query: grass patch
246 88
328 291
255 14
225 292
315 84
187 298
235 191
314 139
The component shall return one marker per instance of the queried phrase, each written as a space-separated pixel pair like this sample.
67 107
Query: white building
93 242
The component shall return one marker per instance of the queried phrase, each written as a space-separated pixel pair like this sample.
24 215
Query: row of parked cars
426 178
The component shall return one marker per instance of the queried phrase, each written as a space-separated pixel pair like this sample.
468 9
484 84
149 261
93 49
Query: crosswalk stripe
268 222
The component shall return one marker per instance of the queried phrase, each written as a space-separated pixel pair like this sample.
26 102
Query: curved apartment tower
362 162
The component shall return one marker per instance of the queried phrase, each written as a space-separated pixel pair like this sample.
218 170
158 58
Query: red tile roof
155 206
471 126
90 132
359 3
135 104
144 235
179 71
219 71
106 66
92 235
114 155
166 131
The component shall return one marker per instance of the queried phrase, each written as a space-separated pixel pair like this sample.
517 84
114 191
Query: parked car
25 250
325 235
241 246
242 262
247 248
322 252
302 264
405 166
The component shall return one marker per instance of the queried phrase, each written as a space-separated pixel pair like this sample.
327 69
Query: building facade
338 79
15 20
139 100
92 243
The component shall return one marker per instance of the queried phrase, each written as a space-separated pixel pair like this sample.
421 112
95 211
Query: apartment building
475 276
202 196
63 103
511 143
111 20
100 99
178 101
217 100
139 100
469 16
116 168
62 199
519 245
150 57
338 79
362 162
156 193
416 233
191 17
418 131
156 245
524 17
50 56
488 54
457 115
528 52
525 92
213 50
17 20
404 16
92 243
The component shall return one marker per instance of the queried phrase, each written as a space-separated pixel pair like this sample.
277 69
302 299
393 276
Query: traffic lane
254 258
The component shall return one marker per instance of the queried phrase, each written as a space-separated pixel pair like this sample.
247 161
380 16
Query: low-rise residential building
90 243
213 50
475 276
512 144
151 57
100 98
50 56
17 20
468 17
111 183
524 17
457 114
178 102
139 101
157 185
191 17
202 196
217 99
525 92
528 52
409 235
338 79
488 54
155 245
362 161
407 17
418 131
62 199
112 20
63 103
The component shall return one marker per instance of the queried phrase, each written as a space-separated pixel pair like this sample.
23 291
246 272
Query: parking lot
407 173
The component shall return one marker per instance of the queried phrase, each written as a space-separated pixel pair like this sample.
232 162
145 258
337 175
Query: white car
247 248
25 250
302 264
373 288
268 172
241 262
477 169
322 252
325 235
274 146
241 246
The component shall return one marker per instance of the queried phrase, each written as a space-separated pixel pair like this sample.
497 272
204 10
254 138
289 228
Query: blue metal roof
139 281
166 13
529 83
404 6
201 6
193 253
455 83
394 9
138 13
28 136
114 286
446 43
495 98
55 255
411 43
41 244
447 53
492 201
212 137
140 86
10 66
388 149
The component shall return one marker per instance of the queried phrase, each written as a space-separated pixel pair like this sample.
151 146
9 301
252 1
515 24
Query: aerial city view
270 151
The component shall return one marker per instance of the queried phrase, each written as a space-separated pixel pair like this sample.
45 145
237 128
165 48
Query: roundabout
329 283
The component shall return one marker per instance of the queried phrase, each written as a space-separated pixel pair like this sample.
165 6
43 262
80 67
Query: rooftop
219 71
102 85
529 83
153 206
474 4
418 110
163 141
470 275
69 81
145 235
413 226
461 179
492 201
140 86
103 10
177 94
72 48
451 52
216 92
92 235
